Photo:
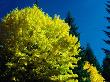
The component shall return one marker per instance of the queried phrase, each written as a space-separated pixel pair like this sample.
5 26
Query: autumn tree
40 47
95 75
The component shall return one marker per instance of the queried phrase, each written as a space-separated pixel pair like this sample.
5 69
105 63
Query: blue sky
89 16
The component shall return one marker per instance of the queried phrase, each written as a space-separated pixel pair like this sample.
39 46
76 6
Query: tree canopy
40 47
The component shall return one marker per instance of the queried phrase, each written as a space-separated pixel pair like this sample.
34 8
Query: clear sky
89 16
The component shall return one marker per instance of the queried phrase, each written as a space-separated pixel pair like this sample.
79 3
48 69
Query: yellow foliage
43 42
94 74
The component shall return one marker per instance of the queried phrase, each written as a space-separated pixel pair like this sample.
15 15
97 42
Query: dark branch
108 27
108 5
108 10
107 42
108 18
107 52
107 33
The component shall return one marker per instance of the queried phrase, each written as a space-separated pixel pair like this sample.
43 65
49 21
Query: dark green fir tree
106 61
89 56
79 70
36 2
73 28
86 54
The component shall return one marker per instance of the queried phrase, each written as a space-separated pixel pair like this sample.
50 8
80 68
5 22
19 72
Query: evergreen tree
36 2
89 56
73 28
85 54
79 70
106 61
